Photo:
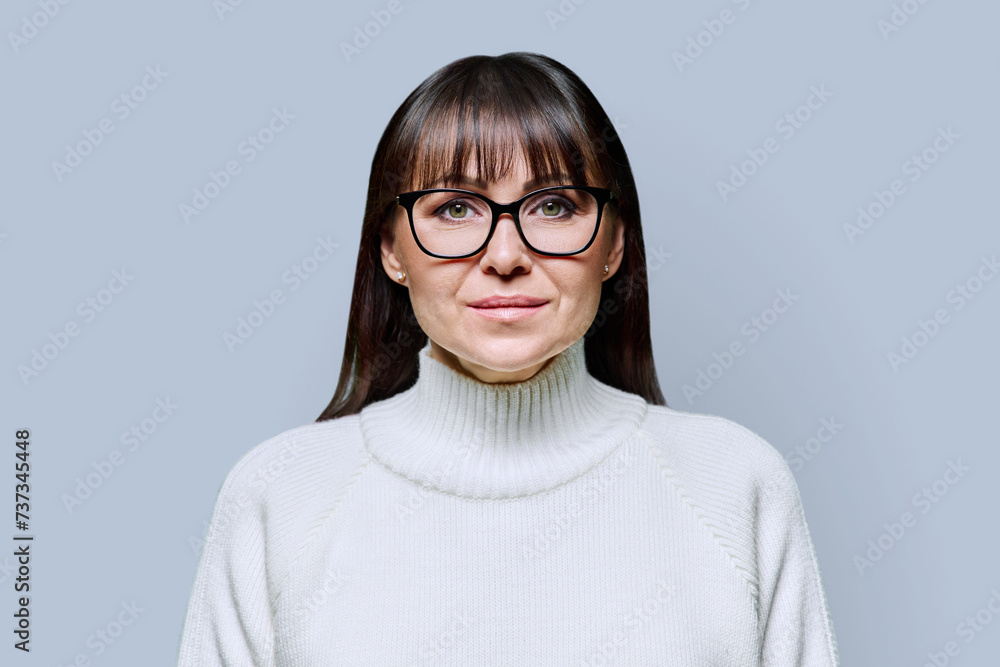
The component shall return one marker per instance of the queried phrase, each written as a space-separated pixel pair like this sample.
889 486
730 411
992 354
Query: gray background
135 538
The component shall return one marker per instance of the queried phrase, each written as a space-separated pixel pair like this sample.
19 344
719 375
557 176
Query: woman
497 479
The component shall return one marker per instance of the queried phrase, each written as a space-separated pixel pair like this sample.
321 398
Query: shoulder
284 482
292 457
736 482
715 454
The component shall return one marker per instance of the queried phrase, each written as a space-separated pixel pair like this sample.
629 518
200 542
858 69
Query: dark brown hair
490 110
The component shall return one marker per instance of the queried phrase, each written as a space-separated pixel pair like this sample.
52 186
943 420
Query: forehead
518 175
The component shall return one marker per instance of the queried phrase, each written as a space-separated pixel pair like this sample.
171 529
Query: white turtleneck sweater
554 521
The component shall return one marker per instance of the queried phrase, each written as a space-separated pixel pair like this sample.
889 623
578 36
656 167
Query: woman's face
495 349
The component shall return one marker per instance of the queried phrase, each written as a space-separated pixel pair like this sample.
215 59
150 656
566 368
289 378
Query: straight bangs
483 123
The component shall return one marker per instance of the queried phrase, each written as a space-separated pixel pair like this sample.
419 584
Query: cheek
435 294
425 311
593 301
424 302
580 295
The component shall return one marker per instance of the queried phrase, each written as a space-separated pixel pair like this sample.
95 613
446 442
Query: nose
506 230
506 249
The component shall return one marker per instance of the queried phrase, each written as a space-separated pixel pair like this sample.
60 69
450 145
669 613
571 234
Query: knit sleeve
794 619
229 615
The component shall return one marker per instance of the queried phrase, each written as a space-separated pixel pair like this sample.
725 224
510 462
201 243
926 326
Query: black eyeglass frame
601 195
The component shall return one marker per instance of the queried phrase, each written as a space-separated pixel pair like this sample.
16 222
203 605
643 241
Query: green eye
458 210
551 208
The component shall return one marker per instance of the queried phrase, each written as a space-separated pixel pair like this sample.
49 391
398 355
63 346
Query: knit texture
554 521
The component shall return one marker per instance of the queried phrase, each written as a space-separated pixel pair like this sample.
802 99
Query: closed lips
518 301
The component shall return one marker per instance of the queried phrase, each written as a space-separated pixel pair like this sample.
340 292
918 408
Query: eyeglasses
556 221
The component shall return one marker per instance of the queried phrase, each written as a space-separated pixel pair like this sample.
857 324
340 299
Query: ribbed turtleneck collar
461 436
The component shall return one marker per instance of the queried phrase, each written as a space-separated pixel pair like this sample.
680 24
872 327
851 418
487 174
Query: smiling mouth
507 313
514 301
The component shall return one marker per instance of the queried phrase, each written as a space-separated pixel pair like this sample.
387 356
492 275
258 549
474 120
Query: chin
504 354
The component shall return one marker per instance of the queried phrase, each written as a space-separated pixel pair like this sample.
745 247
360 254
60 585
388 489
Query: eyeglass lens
455 223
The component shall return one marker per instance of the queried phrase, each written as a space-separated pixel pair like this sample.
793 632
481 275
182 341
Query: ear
390 258
617 250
